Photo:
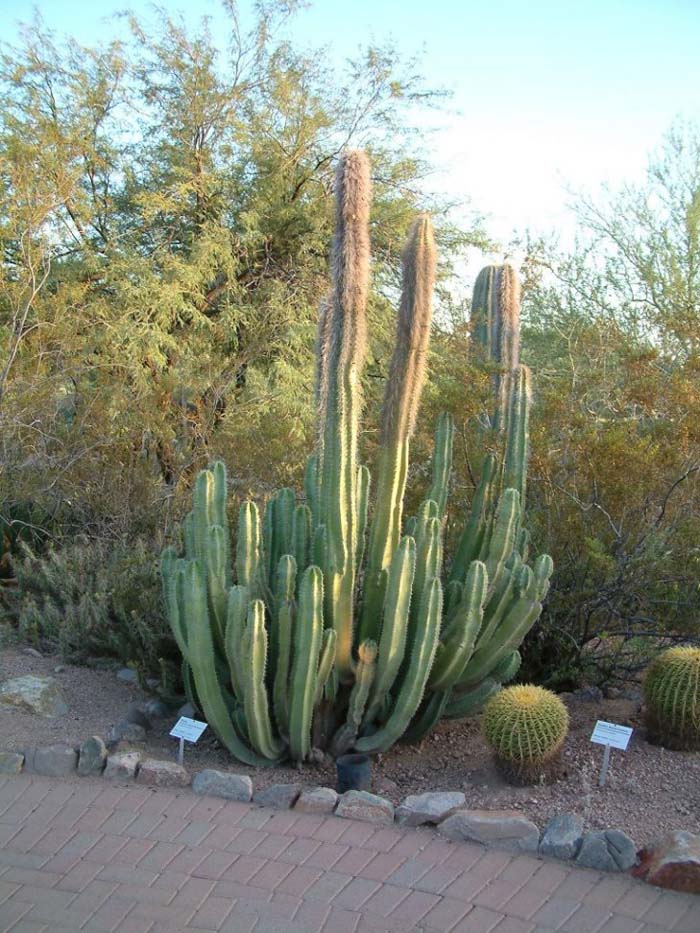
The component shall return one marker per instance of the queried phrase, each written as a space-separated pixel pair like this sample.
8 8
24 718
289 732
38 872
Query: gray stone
279 796
32 652
162 773
672 862
588 695
506 829
152 683
186 710
125 732
156 708
127 675
429 808
223 784
361 805
51 760
122 766
608 850
562 836
11 762
317 800
41 695
92 756
136 715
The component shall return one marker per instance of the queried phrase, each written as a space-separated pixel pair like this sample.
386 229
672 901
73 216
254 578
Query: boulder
223 784
136 715
317 800
562 836
361 805
51 760
279 796
11 762
122 766
155 708
40 695
162 773
125 732
186 710
127 675
92 756
607 850
673 861
506 829
429 808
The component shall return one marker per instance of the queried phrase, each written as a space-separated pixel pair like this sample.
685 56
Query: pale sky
547 93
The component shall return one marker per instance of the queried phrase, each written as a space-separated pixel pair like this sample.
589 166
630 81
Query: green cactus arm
442 461
188 536
364 675
499 599
220 516
506 669
280 687
401 400
325 663
217 573
202 661
503 536
284 523
189 686
308 629
466 704
453 597
255 703
412 687
311 486
544 567
394 628
171 569
301 536
476 529
248 548
268 533
515 626
363 484
318 546
496 326
518 433
428 554
340 400
453 655
203 509
427 717
236 615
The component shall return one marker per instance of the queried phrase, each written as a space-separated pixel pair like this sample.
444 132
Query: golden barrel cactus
672 698
526 727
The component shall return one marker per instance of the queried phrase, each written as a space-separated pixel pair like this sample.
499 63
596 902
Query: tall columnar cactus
317 640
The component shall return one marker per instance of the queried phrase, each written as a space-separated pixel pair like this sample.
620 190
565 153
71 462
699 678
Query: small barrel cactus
672 698
526 727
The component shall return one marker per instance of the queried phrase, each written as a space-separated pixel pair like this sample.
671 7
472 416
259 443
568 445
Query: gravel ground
648 788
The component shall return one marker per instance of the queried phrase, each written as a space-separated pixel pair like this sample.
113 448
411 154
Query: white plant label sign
609 733
186 730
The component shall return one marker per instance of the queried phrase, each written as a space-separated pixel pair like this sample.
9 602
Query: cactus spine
290 650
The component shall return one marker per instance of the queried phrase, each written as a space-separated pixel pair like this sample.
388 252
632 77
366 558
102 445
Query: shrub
672 696
526 727
95 598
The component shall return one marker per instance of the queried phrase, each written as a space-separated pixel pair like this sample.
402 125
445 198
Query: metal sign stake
606 765
181 752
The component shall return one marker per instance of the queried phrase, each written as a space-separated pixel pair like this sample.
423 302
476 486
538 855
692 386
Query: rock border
563 838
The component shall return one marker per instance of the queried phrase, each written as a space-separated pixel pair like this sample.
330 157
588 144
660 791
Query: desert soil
648 789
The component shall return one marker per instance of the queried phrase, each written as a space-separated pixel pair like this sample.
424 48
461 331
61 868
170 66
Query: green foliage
311 647
611 328
526 727
672 698
94 599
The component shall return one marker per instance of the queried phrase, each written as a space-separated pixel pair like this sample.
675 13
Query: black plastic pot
354 772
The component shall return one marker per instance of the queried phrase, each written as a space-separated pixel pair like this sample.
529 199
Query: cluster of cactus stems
339 632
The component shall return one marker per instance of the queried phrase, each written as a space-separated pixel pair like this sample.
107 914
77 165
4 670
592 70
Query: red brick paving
86 856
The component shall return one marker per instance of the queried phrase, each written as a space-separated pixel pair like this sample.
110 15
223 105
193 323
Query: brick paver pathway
88 855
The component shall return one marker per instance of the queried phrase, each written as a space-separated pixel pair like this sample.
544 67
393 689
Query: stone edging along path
563 837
